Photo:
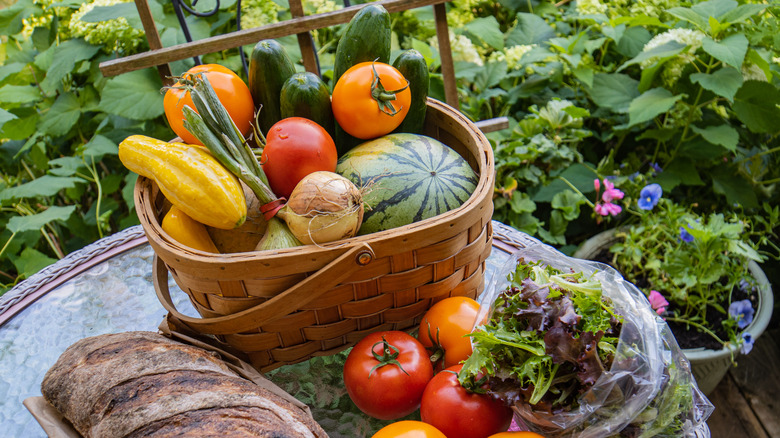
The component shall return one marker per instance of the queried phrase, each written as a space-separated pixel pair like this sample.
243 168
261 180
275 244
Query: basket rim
481 195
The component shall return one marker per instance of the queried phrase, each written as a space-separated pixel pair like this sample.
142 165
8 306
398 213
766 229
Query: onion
323 207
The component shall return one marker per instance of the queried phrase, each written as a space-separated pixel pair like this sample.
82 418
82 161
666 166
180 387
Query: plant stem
577 190
700 327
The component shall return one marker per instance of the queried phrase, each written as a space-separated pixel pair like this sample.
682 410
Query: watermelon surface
408 177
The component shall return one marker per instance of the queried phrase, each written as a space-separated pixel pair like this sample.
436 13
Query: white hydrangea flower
256 13
321 6
752 72
116 34
591 7
462 48
512 55
688 37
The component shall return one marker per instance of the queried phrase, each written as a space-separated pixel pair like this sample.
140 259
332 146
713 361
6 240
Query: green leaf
62 115
579 175
724 82
633 41
488 30
36 221
65 166
492 73
614 91
650 104
690 16
666 50
714 8
756 105
737 190
105 13
730 50
44 186
10 69
741 13
723 135
19 94
11 18
65 57
530 29
679 171
31 261
135 95
99 146
23 126
5 116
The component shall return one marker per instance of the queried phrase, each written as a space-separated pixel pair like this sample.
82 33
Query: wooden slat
154 39
757 377
491 125
244 37
445 52
304 41
732 416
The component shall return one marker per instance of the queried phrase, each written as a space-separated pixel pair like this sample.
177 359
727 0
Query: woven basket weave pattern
381 281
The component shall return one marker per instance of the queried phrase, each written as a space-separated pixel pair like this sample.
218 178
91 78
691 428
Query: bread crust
144 384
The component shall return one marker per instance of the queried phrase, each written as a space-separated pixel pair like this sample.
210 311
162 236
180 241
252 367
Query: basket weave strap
277 307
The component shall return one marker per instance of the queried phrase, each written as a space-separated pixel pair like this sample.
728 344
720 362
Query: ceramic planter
708 366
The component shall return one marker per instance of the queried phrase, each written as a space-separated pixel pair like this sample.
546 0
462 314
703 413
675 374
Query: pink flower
610 192
607 209
596 185
657 302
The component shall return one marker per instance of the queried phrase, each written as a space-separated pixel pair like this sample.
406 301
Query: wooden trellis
300 25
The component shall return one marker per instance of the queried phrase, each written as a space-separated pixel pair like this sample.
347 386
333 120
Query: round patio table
107 287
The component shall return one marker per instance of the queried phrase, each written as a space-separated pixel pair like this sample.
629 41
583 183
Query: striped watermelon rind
409 178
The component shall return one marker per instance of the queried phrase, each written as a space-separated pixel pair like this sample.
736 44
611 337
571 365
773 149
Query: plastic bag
649 389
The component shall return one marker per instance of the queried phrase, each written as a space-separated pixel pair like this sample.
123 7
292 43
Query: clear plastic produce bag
648 391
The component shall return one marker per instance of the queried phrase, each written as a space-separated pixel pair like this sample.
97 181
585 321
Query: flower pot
708 366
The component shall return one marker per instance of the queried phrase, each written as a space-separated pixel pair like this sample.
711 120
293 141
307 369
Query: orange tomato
445 326
409 429
356 100
231 90
516 435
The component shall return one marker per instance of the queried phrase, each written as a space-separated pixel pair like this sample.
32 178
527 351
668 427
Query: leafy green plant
693 266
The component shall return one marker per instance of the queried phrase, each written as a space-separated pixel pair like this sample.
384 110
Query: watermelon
408 178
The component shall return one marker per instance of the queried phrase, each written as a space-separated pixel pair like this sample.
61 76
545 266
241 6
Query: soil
687 336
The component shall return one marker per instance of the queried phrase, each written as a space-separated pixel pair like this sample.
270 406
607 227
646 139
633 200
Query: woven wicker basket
282 307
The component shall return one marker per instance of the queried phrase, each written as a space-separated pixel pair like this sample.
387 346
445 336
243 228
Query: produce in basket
371 99
577 351
228 86
411 177
411 64
143 384
189 177
187 231
269 68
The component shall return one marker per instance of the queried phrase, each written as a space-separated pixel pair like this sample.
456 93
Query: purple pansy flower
649 196
685 236
747 343
656 167
657 302
742 311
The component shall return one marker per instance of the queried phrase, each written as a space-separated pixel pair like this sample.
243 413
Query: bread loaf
142 384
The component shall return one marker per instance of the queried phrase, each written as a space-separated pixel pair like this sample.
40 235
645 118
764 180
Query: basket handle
277 307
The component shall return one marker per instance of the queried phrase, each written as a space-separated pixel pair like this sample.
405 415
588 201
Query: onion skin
323 207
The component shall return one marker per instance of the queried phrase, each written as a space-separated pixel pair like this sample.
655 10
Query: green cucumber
366 38
269 67
412 65
304 94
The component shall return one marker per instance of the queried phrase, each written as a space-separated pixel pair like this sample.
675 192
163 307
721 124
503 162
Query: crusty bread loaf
142 384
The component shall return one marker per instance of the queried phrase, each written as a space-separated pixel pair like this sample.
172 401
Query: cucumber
366 38
412 65
269 67
304 94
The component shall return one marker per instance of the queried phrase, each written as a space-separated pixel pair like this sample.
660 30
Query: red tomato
294 148
356 100
461 414
409 429
445 326
381 388
231 91
516 435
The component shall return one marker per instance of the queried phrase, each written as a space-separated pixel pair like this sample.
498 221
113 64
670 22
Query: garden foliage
593 89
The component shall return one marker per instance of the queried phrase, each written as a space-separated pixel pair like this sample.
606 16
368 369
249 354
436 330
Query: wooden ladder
300 25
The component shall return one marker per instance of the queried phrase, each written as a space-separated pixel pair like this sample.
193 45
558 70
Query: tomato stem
384 98
388 357
438 350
